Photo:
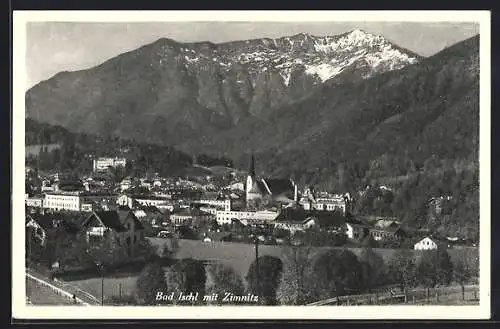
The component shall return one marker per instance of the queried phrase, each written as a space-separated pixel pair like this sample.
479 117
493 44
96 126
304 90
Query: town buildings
102 163
247 217
311 200
74 200
260 189
298 219
191 217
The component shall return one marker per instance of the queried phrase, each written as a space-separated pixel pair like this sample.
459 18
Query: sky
53 47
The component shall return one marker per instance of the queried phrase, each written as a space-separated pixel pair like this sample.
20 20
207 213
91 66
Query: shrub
186 276
222 279
336 273
264 281
149 283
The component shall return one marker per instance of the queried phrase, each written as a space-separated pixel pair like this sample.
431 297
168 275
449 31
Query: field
241 255
113 286
41 295
237 255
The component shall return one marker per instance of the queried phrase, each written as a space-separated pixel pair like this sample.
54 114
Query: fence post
413 299
463 293
475 294
427 294
437 295
406 295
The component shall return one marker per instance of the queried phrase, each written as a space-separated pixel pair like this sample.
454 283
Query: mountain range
302 103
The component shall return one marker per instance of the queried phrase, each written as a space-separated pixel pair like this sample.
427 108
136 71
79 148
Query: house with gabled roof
426 243
357 228
121 226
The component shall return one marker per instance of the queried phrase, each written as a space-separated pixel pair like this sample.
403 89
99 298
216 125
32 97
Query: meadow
237 255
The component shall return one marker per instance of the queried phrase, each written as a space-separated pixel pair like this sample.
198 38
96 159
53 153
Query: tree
462 274
149 283
264 282
335 273
186 276
34 248
426 270
107 251
221 279
295 277
402 268
374 268
435 267
445 267
144 250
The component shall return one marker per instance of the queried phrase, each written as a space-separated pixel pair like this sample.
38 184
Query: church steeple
251 170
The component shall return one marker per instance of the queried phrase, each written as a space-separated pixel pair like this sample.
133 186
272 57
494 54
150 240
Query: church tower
251 177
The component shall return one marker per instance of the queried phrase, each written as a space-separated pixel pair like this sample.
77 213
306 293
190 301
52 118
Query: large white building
328 202
101 164
63 201
226 217
74 200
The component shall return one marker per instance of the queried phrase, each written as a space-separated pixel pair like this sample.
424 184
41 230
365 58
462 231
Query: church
260 190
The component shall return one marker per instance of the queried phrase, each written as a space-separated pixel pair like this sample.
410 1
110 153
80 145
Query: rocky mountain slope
171 92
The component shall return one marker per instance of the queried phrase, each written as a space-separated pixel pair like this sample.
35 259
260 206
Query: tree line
77 149
301 276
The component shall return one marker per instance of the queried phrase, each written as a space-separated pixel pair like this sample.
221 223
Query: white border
21 311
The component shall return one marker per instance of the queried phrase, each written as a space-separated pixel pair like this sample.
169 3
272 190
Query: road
40 295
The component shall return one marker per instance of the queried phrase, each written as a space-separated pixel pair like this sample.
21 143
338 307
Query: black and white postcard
251 165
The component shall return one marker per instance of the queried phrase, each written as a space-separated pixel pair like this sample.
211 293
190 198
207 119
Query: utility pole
100 268
102 288
29 246
257 268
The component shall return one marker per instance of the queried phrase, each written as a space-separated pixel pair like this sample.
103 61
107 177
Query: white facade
210 209
125 200
225 204
34 202
330 204
354 232
104 163
292 227
336 202
63 201
87 207
226 217
426 244
74 201
151 202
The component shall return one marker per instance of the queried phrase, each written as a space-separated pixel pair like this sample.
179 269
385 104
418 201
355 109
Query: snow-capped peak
323 57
